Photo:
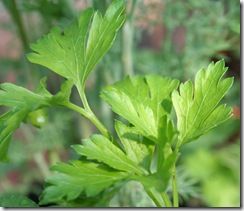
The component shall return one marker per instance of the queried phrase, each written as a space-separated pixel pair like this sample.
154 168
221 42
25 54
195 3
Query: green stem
166 199
12 8
76 108
155 198
89 115
175 189
82 94
160 199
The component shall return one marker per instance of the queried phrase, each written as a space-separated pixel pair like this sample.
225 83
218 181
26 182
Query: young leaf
197 107
142 101
74 52
103 150
73 179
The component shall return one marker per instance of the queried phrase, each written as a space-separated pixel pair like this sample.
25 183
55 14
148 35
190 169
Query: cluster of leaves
76 53
148 141
148 136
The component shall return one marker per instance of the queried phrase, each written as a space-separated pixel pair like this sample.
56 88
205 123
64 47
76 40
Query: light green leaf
42 88
73 179
142 101
197 106
64 51
102 34
24 105
74 52
9 122
64 94
18 97
103 150
133 145
164 147
21 102
160 179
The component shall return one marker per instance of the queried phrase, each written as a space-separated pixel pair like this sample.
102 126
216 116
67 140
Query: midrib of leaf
20 103
75 52
100 176
158 108
62 61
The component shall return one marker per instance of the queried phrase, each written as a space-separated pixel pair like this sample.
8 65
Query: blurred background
169 37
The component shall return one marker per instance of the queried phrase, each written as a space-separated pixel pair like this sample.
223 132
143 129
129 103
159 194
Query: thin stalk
78 109
89 115
174 179
12 8
175 189
160 199
166 199
155 198
19 23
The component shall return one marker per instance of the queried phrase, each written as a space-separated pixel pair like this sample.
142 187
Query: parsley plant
148 139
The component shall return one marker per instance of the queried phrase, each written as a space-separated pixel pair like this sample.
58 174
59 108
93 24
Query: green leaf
102 34
26 106
142 101
103 150
164 147
133 145
9 122
18 97
63 51
10 200
64 94
160 179
73 179
197 107
21 102
74 52
42 88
